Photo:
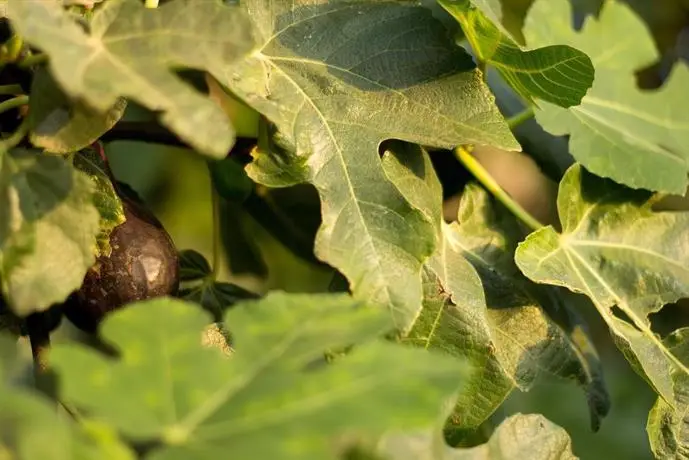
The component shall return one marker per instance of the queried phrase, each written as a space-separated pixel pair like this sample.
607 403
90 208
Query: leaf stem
39 337
521 117
13 103
482 67
11 89
15 138
34 59
479 172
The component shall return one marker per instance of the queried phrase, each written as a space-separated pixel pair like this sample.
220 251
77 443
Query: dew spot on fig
152 267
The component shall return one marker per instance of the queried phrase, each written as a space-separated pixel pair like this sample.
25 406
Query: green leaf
442 325
31 428
478 306
131 52
199 286
668 427
520 436
230 179
637 138
61 125
48 229
558 74
216 297
334 101
605 252
460 329
193 266
107 202
275 386
491 9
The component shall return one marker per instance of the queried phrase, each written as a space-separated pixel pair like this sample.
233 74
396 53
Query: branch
153 133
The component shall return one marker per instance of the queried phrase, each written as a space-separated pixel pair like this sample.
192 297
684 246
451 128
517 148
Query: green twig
13 103
521 117
15 138
34 59
480 173
11 89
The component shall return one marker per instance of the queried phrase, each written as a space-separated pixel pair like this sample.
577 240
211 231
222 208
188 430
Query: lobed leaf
31 428
479 307
216 297
201 404
48 229
193 266
668 426
637 138
387 70
131 51
558 74
518 437
200 286
605 252
61 125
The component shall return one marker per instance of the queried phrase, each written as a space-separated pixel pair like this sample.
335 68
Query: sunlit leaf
31 428
520 436
48 229
668 426
334 101
131 52
629 260
61 125
478 306
558 74
201 404
638 138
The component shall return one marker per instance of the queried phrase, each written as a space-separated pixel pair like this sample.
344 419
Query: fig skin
143 264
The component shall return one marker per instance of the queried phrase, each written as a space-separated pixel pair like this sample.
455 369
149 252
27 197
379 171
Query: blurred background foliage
176 184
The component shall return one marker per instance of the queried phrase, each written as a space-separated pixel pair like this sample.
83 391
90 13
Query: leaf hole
620 314
671 317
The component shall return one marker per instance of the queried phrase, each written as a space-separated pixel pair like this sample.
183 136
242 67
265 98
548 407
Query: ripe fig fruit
143 264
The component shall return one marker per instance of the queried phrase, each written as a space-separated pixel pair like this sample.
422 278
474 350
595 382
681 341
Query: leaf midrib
397 92
350 185
621 304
